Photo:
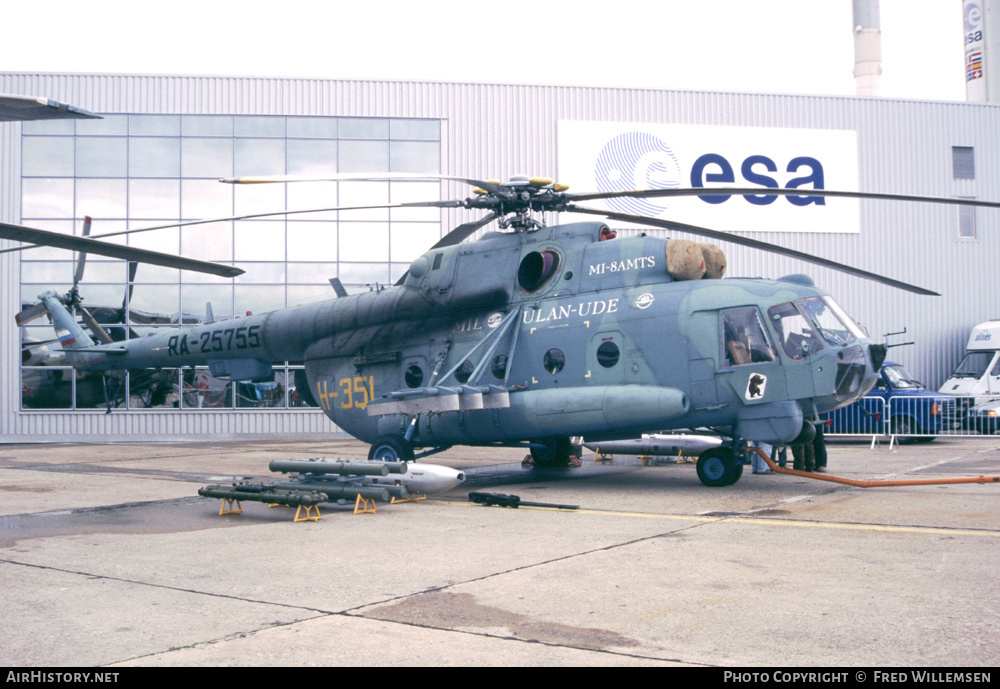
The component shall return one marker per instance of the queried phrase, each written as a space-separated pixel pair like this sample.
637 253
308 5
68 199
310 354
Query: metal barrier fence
921 418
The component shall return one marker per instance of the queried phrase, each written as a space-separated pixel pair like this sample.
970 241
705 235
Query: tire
555 453
391 448
737 472
718 467
903 427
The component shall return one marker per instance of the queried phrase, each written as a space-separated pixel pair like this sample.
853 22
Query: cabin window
608 354
554 361
744 338
414 376
499 367
796 336
464 372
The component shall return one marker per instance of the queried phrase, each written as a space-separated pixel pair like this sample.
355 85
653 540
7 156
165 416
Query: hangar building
164 141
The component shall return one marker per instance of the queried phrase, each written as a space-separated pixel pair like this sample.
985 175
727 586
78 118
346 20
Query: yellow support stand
644 459
364 506
310 517
602 456
412 498
227 507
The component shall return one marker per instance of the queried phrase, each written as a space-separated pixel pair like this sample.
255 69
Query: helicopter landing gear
391 448
719 467
557 452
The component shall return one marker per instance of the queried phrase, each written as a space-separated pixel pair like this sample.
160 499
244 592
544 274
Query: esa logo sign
615 157
713 167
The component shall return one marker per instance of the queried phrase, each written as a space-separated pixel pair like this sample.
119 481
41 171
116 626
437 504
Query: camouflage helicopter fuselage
532 336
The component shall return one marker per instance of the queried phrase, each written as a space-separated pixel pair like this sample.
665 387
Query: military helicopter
532 334
43 388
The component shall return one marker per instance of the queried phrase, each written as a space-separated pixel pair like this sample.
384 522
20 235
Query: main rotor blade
348 177
130 286
462 232
19 233
456 236
754 244
455 203
31 313
81 260
767 191
100 334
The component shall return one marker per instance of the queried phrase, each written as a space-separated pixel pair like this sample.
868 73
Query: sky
760 46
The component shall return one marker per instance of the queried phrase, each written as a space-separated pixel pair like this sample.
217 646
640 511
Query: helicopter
45 386
532 335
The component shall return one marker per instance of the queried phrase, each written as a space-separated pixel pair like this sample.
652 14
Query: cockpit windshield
796 336
974 365
830 320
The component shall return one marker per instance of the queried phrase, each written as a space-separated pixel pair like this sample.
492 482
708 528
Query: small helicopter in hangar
532 335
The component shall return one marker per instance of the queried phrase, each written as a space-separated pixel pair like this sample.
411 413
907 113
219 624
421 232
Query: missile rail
317 481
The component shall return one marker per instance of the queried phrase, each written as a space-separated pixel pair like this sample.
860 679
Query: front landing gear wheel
719 467
391 448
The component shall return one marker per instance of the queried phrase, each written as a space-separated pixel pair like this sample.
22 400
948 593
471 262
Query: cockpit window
744 338
825 321
796 336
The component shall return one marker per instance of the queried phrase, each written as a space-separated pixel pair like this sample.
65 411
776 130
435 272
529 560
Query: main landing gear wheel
391 448
719 467
555 453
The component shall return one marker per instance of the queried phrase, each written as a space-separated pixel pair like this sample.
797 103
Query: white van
979 372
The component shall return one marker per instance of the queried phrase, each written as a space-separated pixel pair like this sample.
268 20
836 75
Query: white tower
867 48
982 50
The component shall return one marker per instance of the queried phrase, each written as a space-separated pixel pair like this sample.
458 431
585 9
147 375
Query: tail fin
69 332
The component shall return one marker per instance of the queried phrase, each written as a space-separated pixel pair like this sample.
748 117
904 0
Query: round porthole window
537 268
414 376
464 372
608 354
554 361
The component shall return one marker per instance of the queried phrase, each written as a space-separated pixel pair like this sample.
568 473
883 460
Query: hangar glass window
966 221
744 339
135 170
963 162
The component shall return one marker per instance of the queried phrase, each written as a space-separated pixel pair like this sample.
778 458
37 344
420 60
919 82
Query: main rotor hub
520 196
